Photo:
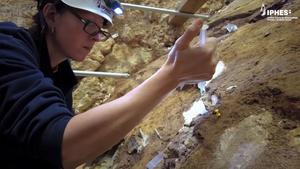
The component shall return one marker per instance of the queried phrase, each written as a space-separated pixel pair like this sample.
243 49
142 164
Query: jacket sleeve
33 113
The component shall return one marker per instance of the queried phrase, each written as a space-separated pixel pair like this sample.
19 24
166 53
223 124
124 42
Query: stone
287 124
89 90
121 51
132 146
106 47
294 138
239 148
87 64
93 61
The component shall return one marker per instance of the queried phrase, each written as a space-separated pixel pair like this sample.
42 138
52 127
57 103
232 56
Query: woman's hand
192 63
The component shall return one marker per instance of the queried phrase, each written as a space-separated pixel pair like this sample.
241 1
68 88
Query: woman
37 126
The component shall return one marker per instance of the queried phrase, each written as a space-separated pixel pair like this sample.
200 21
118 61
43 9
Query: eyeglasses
91 27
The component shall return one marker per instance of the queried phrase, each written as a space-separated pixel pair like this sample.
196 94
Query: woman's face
71 40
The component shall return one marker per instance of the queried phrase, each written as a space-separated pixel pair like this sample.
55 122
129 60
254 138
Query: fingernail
196 26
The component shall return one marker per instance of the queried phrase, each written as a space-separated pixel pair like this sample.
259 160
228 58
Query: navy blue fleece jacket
35 103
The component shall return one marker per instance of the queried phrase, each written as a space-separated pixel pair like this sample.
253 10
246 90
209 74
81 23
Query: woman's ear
49 12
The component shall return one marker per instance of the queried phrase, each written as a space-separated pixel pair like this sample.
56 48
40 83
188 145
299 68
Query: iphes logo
276 15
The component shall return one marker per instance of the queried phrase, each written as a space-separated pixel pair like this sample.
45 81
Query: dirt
262 61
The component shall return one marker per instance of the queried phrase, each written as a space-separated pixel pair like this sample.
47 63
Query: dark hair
40 26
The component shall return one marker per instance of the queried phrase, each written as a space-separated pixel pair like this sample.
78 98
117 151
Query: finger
197 78
205 77
211 43
211 46
184 41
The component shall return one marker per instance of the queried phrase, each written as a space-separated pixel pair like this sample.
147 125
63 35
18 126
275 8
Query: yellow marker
217 112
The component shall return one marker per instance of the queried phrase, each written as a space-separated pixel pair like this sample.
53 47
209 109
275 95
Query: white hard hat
103 8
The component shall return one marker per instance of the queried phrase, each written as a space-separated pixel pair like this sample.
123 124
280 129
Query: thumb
184 41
